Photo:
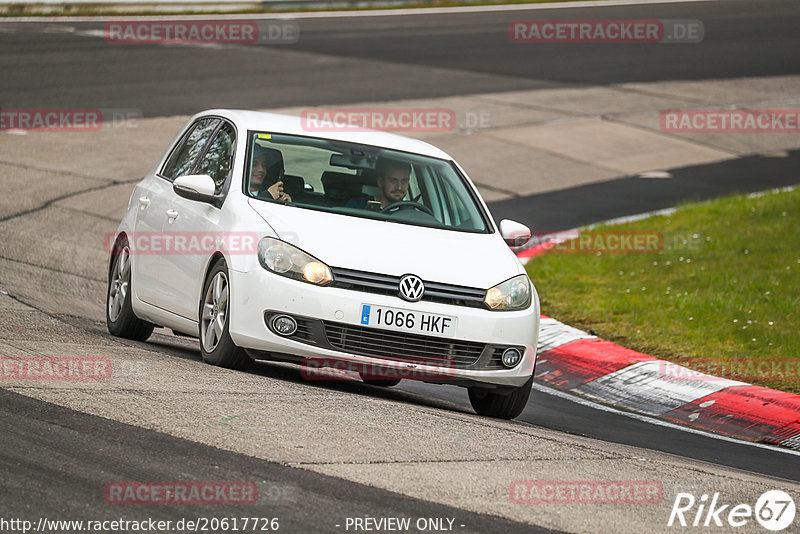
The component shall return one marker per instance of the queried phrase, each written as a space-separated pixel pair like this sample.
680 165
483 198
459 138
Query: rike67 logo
774 510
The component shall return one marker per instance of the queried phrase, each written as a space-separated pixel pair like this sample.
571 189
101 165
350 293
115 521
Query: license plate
408 321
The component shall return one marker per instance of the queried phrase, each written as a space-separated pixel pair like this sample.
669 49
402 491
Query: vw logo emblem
411 287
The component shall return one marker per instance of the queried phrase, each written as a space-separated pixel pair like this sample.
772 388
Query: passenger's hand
276 190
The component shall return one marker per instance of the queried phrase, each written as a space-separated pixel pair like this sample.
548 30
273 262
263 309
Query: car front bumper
257 295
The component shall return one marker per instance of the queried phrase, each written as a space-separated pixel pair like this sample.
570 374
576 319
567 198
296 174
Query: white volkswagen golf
358 250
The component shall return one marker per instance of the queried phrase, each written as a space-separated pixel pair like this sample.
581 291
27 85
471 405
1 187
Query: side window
219 157
182 160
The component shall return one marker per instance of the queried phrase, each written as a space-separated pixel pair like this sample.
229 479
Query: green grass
722 295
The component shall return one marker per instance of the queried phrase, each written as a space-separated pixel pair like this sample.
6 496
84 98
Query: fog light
285 325
511 357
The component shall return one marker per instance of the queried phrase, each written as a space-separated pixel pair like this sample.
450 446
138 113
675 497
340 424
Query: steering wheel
403 204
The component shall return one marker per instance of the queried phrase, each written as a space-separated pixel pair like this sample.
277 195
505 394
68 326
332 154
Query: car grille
304 329
496 362
400 346
385 284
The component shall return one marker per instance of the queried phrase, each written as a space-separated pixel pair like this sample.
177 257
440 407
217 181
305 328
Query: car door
155 210
198 222
152 196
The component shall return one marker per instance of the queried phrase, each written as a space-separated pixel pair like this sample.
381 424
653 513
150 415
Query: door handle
172 214
144 201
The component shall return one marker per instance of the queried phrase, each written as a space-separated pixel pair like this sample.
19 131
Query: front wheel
216 344
507 405
120 319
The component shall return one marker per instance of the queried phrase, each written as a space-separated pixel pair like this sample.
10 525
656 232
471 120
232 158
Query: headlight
284 259
513 294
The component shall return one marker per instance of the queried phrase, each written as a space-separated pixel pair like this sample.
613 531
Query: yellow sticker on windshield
264 136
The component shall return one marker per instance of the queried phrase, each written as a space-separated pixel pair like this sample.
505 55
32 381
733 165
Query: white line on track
632 218
364 13
585 402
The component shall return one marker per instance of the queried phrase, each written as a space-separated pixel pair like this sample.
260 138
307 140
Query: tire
120 319
216 344
500 405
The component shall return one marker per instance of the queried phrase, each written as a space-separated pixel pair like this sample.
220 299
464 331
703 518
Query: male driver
392 180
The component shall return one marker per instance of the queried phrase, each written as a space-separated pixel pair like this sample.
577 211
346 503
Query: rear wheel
120 319
216 344
506 405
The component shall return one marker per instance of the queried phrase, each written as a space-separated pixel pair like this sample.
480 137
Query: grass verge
720 295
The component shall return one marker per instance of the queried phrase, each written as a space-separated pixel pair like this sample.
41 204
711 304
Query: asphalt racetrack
347 60
338 450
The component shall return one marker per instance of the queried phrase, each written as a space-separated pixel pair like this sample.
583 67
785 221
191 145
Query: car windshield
362 181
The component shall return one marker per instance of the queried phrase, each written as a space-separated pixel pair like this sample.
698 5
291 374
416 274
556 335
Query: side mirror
199 187
514 233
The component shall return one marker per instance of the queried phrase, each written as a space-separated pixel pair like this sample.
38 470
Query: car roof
292 125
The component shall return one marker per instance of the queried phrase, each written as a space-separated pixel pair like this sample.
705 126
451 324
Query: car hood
435 255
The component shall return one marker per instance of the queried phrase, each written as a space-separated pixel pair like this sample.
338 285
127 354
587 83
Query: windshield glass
362 181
